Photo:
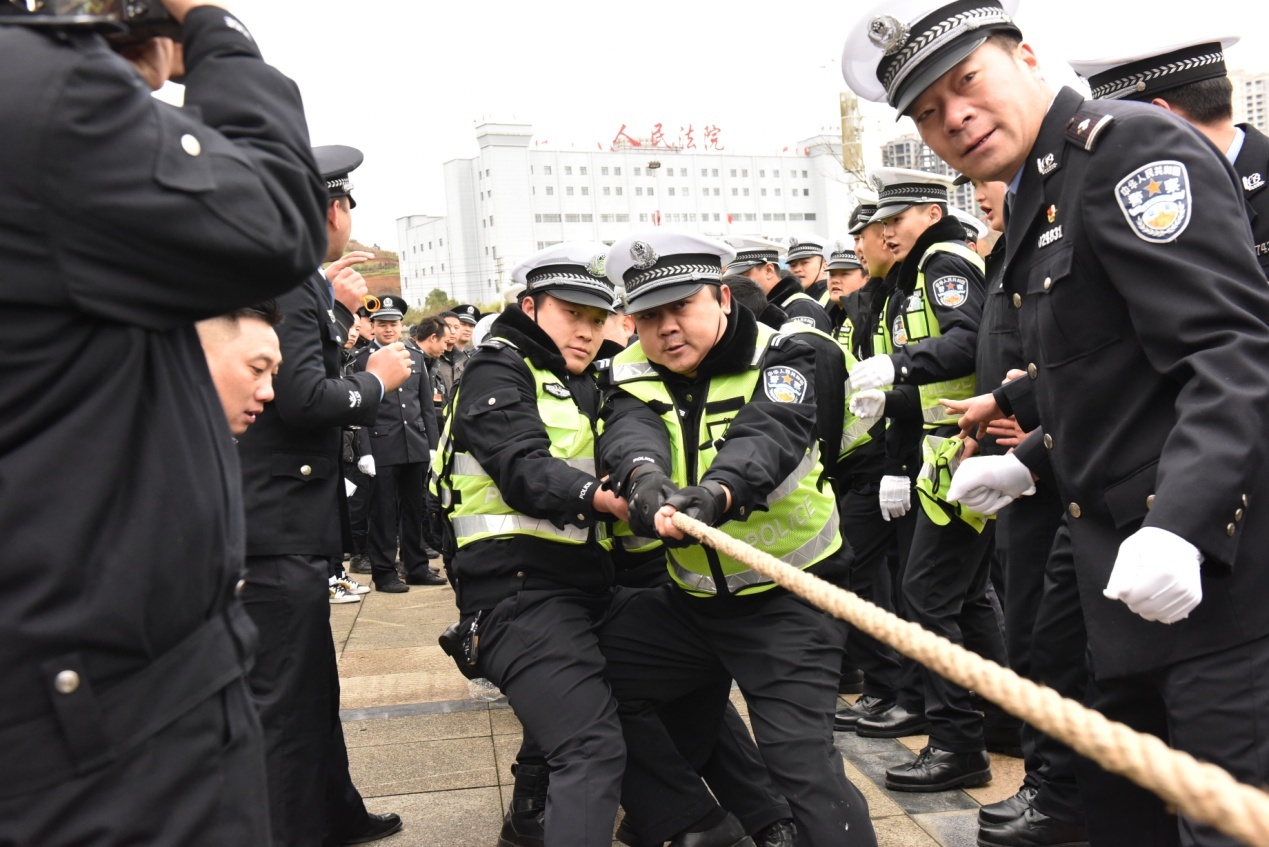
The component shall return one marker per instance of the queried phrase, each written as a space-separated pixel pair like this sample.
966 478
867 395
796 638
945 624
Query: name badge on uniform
1155 199
784 385
1252 182
556 390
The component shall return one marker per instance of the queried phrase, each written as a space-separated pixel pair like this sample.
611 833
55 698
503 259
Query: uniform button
1244 501
66 682
242 583
402 405
1048 441
742 511
1017 301
581 517
1150 502
519 574
1032 370
1074 510
306 470
1238 515
492 401
689 398
1230 530
1048 283
190 145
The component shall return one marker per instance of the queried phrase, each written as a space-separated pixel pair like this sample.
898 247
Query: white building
1251 99
514 198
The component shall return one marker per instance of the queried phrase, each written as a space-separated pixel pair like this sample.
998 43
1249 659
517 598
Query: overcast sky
407 81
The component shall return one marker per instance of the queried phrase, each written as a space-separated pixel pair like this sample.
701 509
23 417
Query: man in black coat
125 716
294 492
403 436
1144 319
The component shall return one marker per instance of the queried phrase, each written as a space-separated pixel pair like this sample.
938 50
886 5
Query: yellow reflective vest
801 526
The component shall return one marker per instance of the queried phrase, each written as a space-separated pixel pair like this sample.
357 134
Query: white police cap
842 257
901 47
660 266
573 271
1141 74
861 215
899 188
803 245
752 251
975 230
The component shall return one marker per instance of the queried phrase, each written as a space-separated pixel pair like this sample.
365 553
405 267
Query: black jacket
1149 350
510 442
999 346
1252 167
121 503
405 429
799 308
292 474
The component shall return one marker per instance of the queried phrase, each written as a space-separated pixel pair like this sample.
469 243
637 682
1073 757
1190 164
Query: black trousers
396 512
786 658
871 537
295 685
198 782
1214 707
1059 659
540 648
359 508
945 588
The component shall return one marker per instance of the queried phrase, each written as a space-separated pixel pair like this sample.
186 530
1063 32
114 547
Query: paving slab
951 829
415 728
423 766
912 802
400 688
461 818
898 831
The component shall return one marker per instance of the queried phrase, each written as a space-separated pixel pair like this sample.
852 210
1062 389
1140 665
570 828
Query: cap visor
893 209
580 298
386 315
643 301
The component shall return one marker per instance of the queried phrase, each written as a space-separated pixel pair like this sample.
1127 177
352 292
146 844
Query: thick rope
1203 792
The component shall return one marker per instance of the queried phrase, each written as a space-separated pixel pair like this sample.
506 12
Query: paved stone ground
420 746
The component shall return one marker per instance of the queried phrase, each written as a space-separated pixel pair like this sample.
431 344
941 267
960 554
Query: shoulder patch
783 384
804 320
951 291
899 333
1084 128
1156 199
557 390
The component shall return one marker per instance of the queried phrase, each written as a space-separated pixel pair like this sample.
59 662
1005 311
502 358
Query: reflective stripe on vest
801 526
919 322
474 503
942 456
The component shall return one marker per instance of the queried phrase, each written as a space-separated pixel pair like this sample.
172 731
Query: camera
122 22
143 20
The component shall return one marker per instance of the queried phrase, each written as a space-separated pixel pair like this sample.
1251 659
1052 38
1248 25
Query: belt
87 729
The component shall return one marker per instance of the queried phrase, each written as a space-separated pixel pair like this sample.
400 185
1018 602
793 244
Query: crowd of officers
1047 455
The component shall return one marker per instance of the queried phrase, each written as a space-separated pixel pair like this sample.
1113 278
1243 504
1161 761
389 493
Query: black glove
706 502
646 492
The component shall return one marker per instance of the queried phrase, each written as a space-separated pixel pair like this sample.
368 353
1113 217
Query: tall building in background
514 198
1250 93
909 151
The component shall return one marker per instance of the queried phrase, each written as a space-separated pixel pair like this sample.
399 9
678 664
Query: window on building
483 223
429 245
585 190
733 172
638 191
546 169
810 216
806 192
638 171
766 216
715 218
603 171
716 192
607 191
491 220
651 191
572 219
587 217
777 192
803 174
617 171
441 242
643 217
482 195
442 267
487 249
704 171
568 170
582 170
764 192
775 174
746 192
619 190
489 193
762 174
749 216
744 172
550 190
684 192
670 191
486 171
715 172
735 192
568 191
623 218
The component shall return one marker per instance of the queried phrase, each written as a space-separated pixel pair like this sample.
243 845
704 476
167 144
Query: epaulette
496 344
1085 127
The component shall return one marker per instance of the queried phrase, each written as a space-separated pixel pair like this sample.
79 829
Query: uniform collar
945 229
1043 162
1237 146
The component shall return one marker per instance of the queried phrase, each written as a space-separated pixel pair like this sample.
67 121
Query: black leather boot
525 823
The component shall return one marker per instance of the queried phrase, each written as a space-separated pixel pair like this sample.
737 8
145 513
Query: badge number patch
951 291
1156 201
784 385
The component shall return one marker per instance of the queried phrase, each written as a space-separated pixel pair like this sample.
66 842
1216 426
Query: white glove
366 464
986 484
431 456
895 496
868 404
1157 575
872 373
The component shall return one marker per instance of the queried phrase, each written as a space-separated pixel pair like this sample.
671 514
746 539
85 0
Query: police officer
713 414
402 438
805 255
124 655
296 514
1189 79
468 317
758 259
518 482
933 319
1126 239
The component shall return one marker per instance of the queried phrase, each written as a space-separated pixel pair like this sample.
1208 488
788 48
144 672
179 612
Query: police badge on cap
391 308
901 47
571 271
661 266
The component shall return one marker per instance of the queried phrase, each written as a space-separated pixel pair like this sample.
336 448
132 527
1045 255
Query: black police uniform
799 308
1026 533
662 644
296 521
944 575
1252 167
402 435
125 716
1146 350
540 601
356 445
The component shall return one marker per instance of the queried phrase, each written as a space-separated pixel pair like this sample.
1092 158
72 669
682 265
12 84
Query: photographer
125 716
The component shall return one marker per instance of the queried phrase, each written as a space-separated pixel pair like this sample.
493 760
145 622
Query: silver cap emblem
886 33
877 183
643 254
595 267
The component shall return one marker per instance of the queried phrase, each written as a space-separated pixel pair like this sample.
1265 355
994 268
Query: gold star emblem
1154 187
1052 213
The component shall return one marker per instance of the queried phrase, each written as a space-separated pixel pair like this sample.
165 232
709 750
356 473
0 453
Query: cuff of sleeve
1033 454
382 388
586 514
742 499
208 28
1003 400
